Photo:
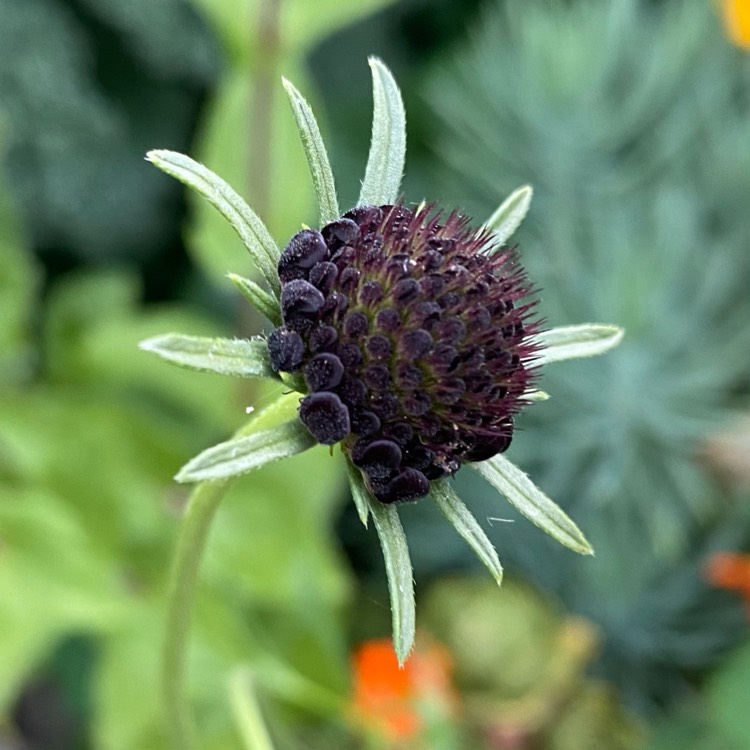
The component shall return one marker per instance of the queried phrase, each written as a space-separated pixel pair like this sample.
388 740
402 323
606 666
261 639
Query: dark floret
413 334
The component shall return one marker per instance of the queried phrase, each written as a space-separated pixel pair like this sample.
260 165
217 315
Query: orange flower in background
730 570
737 21
392 700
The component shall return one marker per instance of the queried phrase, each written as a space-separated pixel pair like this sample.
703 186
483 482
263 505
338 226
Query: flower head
408 335
413 336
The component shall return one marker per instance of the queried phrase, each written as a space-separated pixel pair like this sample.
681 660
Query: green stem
247 713
196 524
200 512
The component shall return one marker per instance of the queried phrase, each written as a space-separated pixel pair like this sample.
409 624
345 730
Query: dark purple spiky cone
413 338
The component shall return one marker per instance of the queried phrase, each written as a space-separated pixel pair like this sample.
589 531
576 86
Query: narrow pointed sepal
508 217
265 303
252 231
359 492
530 501
573 342
399 573
317 156
462 520
385 163
240 358
241 455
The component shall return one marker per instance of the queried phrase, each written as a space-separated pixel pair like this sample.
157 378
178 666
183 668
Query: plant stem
246 711
196 523
265 82
200 511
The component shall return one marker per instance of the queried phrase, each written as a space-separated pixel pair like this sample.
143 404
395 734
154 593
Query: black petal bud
326 416
414 337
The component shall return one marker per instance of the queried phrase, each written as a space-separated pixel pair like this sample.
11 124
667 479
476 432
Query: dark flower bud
414 337
356 325
304 250
326 416
378 458
300 297
410 484
323 372
286 348
323 275
322 338
415 344
340 232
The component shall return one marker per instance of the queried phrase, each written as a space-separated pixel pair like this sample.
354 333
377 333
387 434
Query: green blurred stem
264 83
196 524
247 713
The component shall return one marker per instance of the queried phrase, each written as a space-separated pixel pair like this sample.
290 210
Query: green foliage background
632 121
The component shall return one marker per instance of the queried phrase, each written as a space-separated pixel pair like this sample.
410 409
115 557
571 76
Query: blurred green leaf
54 579
18 278
728 690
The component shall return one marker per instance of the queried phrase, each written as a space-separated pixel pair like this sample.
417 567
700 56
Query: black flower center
412 333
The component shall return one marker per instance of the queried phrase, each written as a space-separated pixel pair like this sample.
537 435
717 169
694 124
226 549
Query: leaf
529 500
572 342
399 573
359 492
240 358
464 522
508 217
317 156
265 303
243 219
385 164
243 454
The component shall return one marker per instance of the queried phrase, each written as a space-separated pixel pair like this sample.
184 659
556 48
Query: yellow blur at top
737 21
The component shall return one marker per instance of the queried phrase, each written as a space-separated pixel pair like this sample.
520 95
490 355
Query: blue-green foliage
85 90
632 122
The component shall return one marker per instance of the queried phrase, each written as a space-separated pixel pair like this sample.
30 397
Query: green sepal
385 163
508 217
317 156
241 455
264 302
535 395
400 575
252 231
240 358
529 500
462 520
572 342
359 492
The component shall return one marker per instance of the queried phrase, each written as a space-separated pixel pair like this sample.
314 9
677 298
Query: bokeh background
631 119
